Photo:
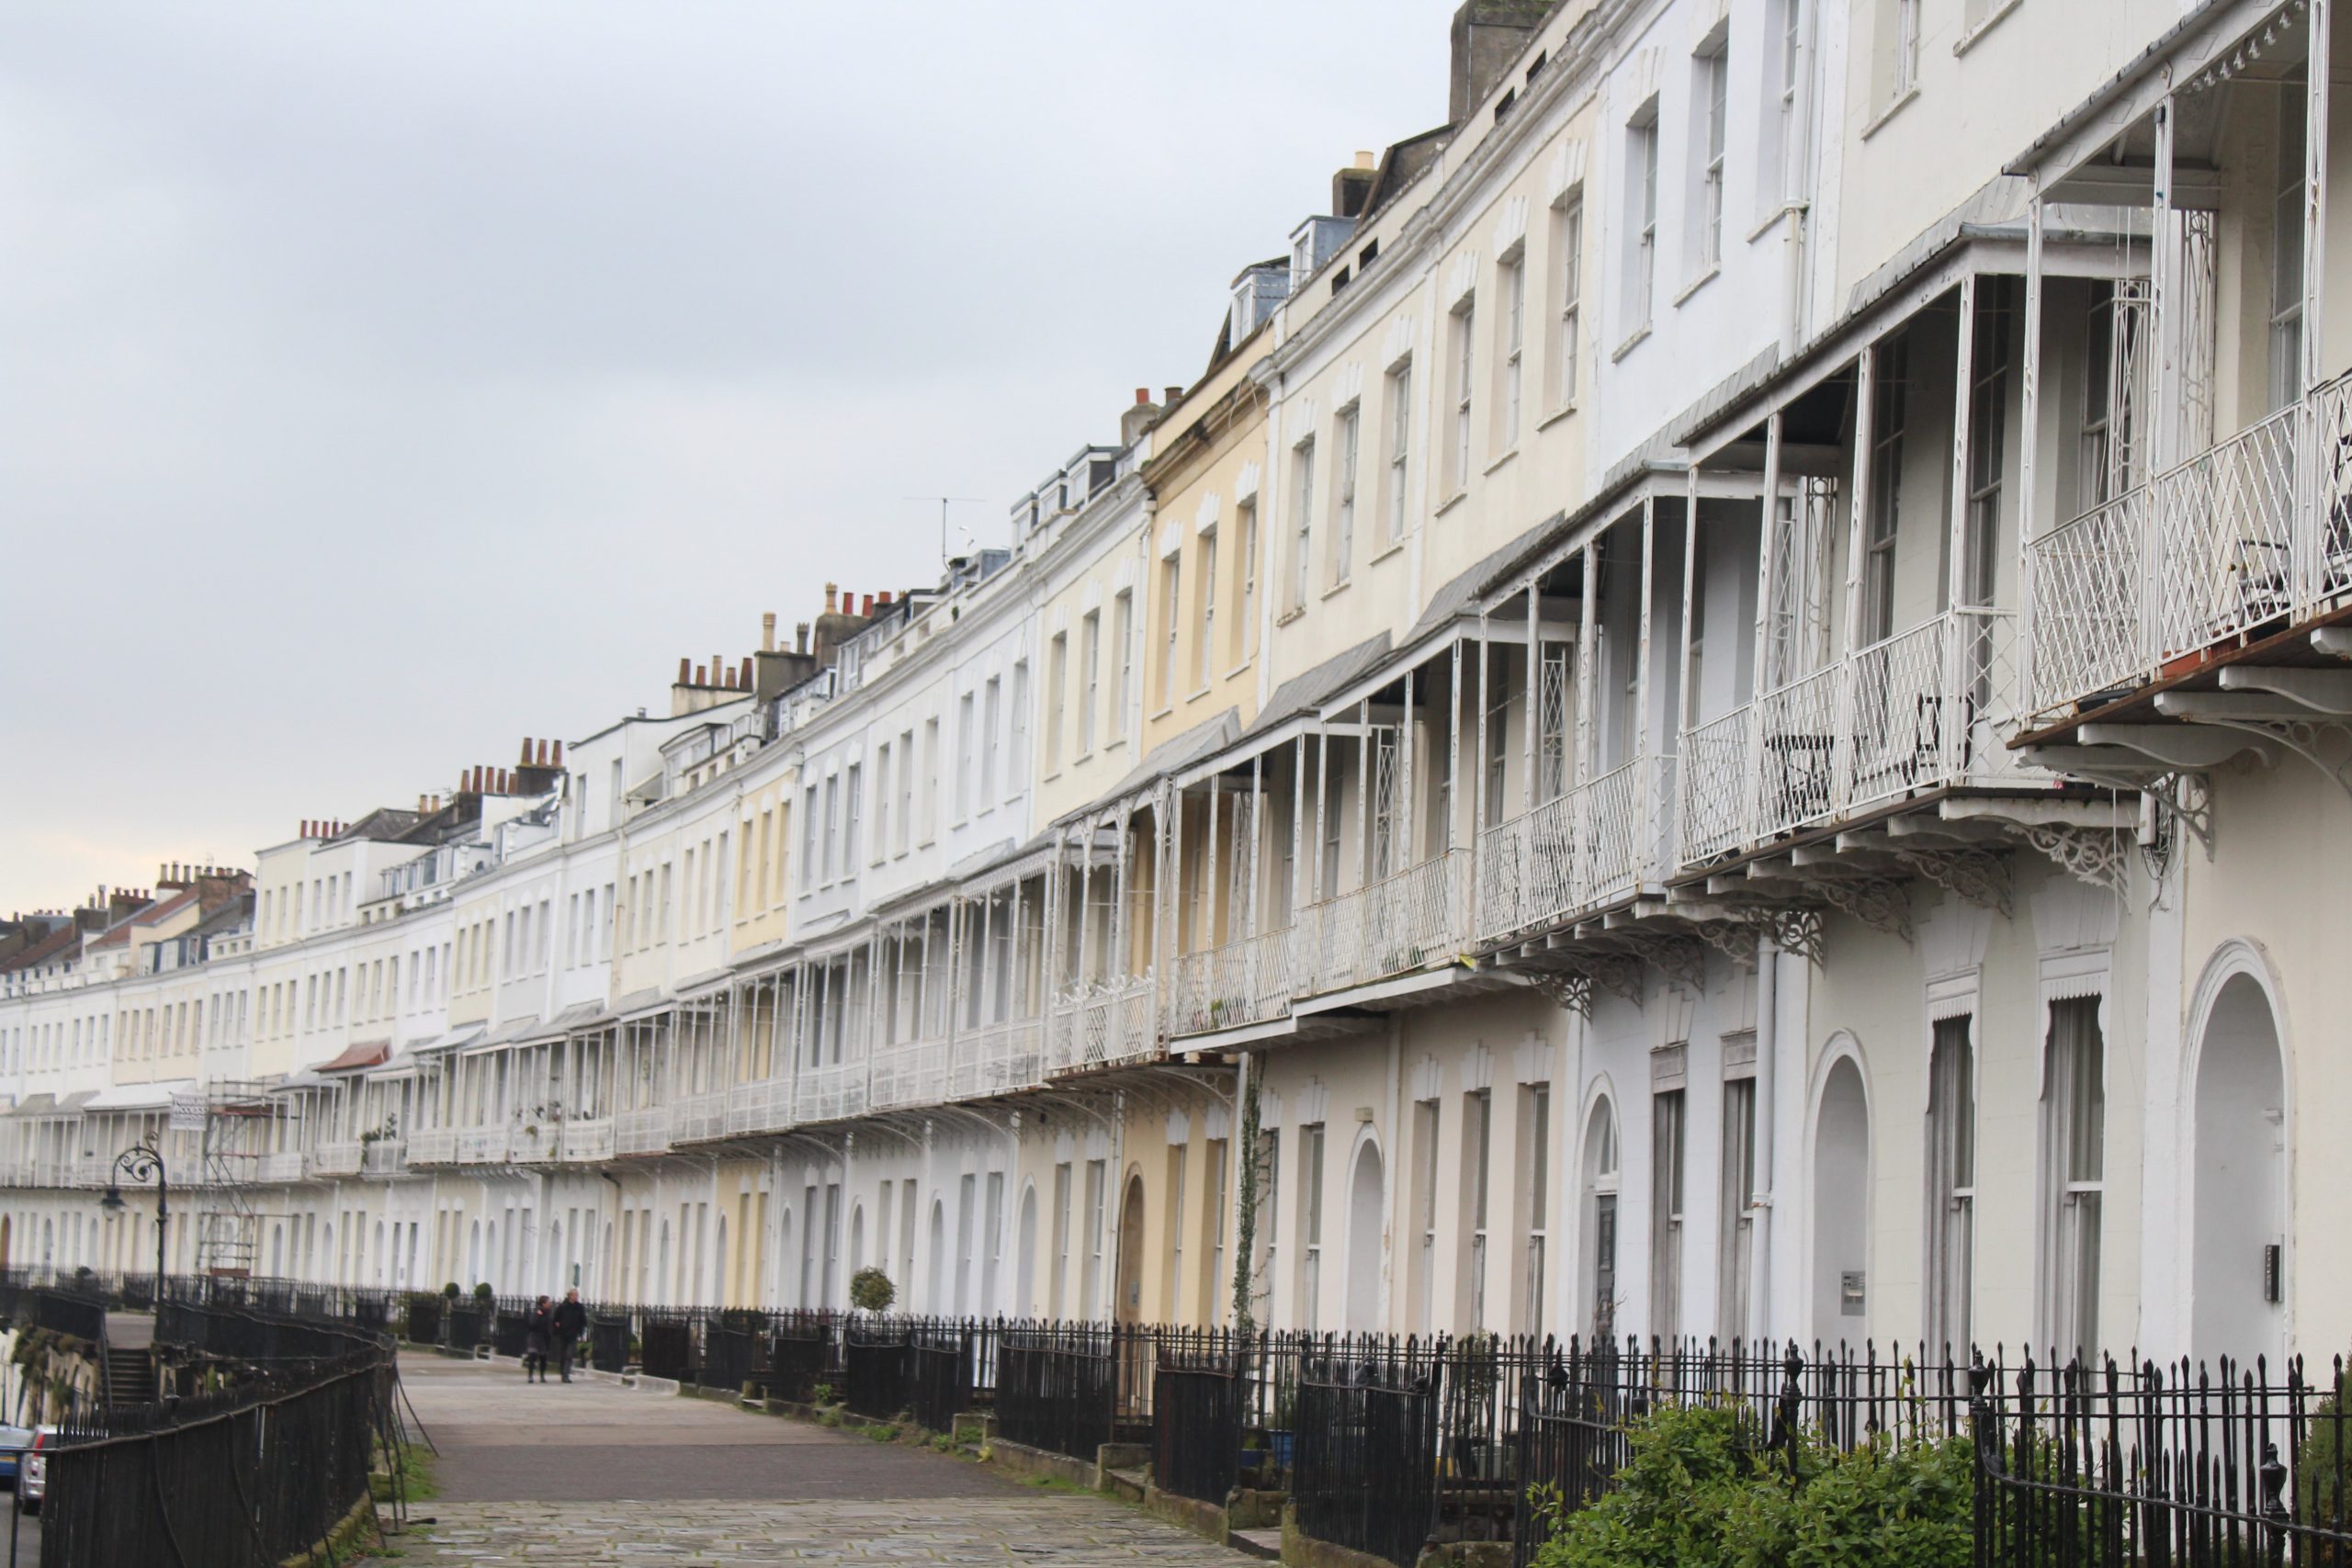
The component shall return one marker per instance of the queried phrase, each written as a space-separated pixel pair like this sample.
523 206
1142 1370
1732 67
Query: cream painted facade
1724 716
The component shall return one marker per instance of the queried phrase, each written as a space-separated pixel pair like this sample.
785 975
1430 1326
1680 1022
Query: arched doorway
1597 1258
1841 1234
1025 1253
1128 1308
2239 1173
1365 1190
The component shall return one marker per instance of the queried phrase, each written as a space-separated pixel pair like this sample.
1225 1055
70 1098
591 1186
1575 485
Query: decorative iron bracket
2095 856
1878 902
1978 875
1735 939
1792 930
1679 958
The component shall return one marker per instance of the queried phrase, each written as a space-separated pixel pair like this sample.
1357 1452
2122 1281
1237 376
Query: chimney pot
801 637
526 750
1143 394
1174 393
831 589
685 667
699 673
767 631
883 598
1364 160
559 754
869 605
746 681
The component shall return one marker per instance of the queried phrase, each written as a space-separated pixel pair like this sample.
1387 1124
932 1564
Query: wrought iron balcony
1418 918
383 1156
762 1106
2251 535
338 1158
831 1093
280 1166
481 1146
429 1145
1926 709
1591 847
586 1138
997 1058
642 1132
1248 981
698 1118
1105 1026
914 1073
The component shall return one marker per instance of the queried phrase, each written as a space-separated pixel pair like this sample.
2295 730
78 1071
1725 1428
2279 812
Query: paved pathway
590 1472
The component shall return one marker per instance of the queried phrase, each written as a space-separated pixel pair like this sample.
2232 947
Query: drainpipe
1759 1269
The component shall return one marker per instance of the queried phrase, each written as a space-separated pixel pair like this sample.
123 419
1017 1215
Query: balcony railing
2253 532
286 1165
481 1146
1248 981
430 1145
339 1158
383 1156
1926 708
1590 848
644 1131
589 1138
1412 921
997 1058
829 1093
1102 1027
763 1105
698 1118
534 1143
915 1073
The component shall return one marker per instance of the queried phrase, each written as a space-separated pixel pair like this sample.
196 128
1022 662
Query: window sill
1111 745
1878 121
1698 283
1195 695
1386 552
1450 502
1639 335
1507 455
1556 415
1160 713
1338 588
1292 614
1774 218
1240 667
1968 40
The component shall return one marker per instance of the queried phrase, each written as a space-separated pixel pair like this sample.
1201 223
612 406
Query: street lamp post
139 1162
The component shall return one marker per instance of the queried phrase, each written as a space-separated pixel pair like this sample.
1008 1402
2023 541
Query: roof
77 1099
363 1053
44 950
449 1042
36 1105
1204 739
141 1096
1302 693
506 1034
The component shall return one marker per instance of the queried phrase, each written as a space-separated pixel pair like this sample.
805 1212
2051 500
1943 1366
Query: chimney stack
830 590
767 631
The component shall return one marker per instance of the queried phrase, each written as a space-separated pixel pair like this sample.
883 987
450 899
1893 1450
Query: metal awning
457 1039
366 1053
77 1099
36 1105
640 1004
141 1096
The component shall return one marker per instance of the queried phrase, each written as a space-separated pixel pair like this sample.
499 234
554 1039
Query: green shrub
870 1289
1698 1494
2319 1491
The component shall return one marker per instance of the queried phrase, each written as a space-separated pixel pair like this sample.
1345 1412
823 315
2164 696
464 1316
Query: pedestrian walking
570 1322
538 1334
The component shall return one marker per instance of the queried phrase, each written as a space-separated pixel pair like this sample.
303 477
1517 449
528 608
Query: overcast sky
383 383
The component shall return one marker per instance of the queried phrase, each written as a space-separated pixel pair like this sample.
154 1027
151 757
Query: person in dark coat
570 1322
538 1334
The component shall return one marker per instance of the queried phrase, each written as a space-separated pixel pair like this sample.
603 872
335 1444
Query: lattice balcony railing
2254 533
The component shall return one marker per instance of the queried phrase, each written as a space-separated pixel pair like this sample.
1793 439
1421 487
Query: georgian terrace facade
1535 731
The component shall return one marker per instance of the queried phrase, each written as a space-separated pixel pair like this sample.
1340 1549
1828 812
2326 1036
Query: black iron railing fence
2101 1466
1385 1443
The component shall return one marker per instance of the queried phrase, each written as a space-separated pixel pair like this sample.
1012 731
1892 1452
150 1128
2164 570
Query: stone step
1265 1543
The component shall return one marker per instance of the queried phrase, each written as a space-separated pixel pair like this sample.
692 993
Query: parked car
14 1442
32 1471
